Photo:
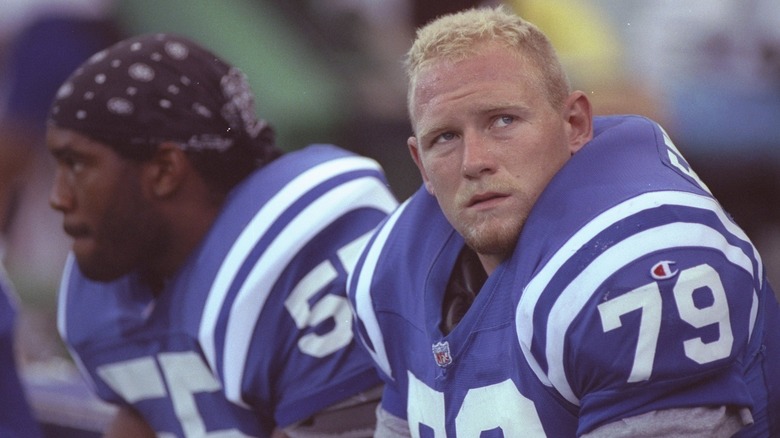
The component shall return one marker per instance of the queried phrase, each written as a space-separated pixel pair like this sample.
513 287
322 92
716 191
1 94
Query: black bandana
160 87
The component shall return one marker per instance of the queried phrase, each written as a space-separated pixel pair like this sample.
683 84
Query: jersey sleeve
277 324
652 311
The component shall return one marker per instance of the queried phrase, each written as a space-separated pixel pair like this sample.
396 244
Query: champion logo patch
441 353
664 270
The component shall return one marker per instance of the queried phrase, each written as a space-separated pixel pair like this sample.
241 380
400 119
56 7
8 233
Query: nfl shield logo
441 352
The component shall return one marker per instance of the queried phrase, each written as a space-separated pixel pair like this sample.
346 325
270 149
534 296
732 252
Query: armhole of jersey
364 282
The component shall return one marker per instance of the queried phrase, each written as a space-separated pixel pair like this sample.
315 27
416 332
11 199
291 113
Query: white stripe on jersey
363 302
360 193
245 310
254 230
570 302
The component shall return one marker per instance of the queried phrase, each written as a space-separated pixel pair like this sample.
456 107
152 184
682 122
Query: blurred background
331 72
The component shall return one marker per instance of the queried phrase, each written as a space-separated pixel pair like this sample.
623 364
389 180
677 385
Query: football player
205 293
556 276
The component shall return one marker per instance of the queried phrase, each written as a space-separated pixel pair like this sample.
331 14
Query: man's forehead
61 138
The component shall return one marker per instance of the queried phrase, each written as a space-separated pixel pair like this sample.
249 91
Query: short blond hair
457 36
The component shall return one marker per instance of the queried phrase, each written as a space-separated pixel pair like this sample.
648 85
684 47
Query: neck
186 229
491 261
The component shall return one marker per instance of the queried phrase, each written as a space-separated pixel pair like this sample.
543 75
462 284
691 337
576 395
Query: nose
60 195
478 158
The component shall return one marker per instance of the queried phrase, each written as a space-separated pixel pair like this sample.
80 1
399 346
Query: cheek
129 225
438 179
441 167
115 202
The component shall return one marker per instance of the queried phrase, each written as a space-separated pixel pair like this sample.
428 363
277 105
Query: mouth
76 231
486 199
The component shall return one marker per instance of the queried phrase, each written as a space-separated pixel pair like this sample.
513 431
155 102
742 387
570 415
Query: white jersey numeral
305 314
500 405
648 299
691 280
175 375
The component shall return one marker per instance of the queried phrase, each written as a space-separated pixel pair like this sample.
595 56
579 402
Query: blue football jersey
630 290
255 330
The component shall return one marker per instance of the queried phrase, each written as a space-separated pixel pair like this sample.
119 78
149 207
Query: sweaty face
487 143
114 227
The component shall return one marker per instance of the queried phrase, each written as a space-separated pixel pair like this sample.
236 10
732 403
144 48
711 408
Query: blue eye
505 120
445 137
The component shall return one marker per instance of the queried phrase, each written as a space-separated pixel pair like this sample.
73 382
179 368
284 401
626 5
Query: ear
415 152
167 170
578 117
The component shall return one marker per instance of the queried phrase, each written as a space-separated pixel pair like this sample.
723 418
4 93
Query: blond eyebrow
497 107
434 131
479 110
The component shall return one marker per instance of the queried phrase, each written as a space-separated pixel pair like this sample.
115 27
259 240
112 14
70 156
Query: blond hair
456 36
